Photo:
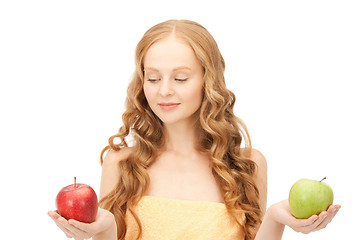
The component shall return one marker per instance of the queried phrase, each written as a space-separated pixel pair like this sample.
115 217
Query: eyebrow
175 69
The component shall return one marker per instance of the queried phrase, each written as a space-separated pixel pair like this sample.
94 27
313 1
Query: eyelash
181 79
177 79
152 80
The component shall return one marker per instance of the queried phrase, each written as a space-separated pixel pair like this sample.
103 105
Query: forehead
170 53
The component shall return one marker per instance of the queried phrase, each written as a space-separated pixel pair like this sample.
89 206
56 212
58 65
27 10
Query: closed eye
181 79
152 80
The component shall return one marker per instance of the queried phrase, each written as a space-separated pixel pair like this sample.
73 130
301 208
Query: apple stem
323 179
74 182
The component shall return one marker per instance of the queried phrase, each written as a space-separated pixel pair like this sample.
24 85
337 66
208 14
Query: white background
65 66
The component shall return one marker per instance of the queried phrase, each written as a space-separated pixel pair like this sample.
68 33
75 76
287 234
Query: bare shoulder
114 157
258 158
110 172
260 177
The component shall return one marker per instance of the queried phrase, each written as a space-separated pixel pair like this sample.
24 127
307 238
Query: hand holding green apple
280 213
309 197
308 209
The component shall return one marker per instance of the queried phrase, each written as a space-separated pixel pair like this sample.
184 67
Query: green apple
309 197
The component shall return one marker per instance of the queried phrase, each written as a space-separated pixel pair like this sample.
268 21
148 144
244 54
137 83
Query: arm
104 227
109 178
269 229
110 174
109 234
260 178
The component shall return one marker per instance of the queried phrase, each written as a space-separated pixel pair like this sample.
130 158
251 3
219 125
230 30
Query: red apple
77 201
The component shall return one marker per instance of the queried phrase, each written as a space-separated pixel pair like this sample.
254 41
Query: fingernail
335 210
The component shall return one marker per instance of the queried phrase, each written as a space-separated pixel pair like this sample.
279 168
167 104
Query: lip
168 106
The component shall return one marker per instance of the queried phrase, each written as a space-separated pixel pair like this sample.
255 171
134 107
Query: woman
186 175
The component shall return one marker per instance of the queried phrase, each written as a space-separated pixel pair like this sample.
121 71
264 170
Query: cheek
194 95
148 93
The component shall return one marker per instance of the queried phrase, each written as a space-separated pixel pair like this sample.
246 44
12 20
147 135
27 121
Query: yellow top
169 219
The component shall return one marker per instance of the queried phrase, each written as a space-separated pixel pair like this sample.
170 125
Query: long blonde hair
221 134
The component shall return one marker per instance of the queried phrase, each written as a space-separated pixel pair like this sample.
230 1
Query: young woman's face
173 80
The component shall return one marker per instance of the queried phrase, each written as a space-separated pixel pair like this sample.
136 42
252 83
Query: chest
187 181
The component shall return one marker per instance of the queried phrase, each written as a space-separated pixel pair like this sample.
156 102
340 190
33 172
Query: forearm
108 234
270 229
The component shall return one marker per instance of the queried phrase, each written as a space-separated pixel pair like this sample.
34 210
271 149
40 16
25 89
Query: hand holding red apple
77 201
104 226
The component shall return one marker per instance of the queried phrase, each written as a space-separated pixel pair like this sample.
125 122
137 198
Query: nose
166 88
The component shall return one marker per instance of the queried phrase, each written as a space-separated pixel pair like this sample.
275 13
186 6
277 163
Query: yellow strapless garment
171 219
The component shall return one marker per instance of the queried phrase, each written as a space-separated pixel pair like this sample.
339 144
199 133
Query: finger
310 221
65 231
90 229
82 230
331 208
325 216
62 228
301 223
304 225
312 227
78 233
335 208
80 225
53 214
322 216
330 215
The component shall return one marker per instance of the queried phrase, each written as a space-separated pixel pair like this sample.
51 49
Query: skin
173 74
179 164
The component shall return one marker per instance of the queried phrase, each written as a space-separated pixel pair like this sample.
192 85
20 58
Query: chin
170 121
170 118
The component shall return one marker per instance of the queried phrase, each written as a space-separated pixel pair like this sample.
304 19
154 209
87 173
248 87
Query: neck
180 138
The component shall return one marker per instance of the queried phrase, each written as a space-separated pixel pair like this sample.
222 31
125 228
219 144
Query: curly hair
221 134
